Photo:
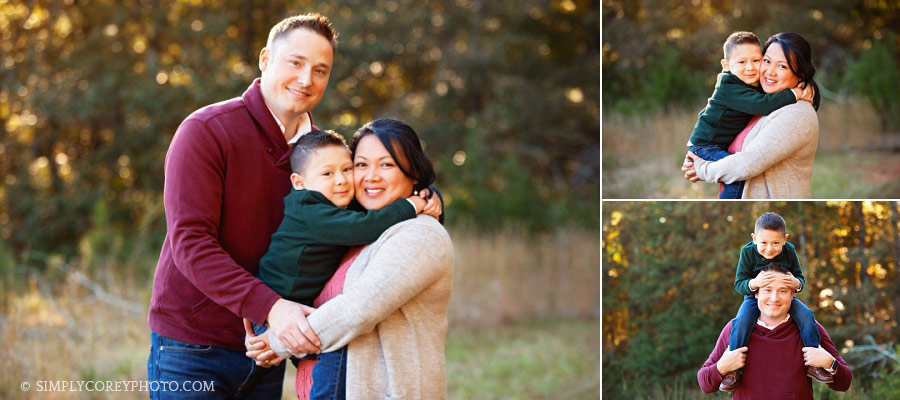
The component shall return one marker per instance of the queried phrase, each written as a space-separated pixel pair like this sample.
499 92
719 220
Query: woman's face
775 75
377 178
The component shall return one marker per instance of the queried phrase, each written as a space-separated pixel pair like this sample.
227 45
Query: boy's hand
731 360
764 278
433 206
804 92
419 202
789 280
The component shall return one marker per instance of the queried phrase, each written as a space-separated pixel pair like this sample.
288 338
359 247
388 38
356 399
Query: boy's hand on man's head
764 278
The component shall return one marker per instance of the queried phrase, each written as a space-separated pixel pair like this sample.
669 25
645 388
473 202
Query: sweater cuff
258 304
413 204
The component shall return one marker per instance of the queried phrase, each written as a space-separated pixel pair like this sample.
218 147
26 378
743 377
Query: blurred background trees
504 94
659 52
668 286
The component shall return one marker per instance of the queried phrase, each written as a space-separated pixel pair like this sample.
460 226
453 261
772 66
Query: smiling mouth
298 93
374 191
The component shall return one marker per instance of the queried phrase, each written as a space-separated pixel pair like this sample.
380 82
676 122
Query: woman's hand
688 168
258 347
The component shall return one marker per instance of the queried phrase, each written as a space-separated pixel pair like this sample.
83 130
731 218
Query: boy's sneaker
730 382
819 374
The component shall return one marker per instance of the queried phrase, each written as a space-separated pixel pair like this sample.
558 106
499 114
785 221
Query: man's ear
786 236
264 55
753 237
724 64
297 181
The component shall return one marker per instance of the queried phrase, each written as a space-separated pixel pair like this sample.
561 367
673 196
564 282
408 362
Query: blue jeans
716 153
748 314
179 370
330 376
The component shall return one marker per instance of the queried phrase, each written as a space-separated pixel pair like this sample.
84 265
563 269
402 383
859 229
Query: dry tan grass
642 155
66 333
504 277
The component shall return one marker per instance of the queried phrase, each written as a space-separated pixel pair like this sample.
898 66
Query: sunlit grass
642 155
61 331
546 359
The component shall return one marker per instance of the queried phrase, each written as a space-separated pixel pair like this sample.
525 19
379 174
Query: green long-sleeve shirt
751 262
313 237
732 105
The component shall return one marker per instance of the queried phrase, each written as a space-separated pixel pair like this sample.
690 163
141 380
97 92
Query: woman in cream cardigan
390 306
777 156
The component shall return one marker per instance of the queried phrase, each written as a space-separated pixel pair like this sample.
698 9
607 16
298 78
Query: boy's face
744 63
330 172
768 242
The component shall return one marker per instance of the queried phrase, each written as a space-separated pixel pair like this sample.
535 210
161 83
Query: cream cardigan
777 158
393 314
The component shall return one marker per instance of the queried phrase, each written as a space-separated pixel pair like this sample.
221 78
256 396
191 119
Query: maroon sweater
774 367
227 173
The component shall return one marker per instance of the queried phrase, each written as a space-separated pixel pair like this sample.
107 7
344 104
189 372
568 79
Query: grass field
642 155
524 323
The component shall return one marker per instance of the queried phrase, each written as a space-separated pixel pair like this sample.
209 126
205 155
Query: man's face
769 243
295 73
774 300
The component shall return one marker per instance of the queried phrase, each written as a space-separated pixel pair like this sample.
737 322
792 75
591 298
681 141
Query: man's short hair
775 267
314 22
738 38
770 221
308 144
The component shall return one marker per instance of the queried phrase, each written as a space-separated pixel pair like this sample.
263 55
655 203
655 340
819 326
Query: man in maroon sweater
226 174
775 364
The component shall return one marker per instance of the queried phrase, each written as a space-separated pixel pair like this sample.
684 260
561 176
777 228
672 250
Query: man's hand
688 168
817 357
258 347
764 278
287 320
732 360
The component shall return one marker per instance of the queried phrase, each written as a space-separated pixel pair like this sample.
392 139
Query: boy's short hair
770 221
737 38
309 143
775 267
313 22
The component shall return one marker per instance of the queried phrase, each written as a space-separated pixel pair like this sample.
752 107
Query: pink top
738 143
334 287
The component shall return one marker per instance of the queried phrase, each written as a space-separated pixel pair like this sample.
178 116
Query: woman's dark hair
403 144
799 59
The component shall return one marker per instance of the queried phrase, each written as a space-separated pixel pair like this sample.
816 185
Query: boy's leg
809 333
806 321
329 376
715 153
743 323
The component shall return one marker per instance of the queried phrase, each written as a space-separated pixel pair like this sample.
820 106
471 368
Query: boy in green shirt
735 100
316 232
769 244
